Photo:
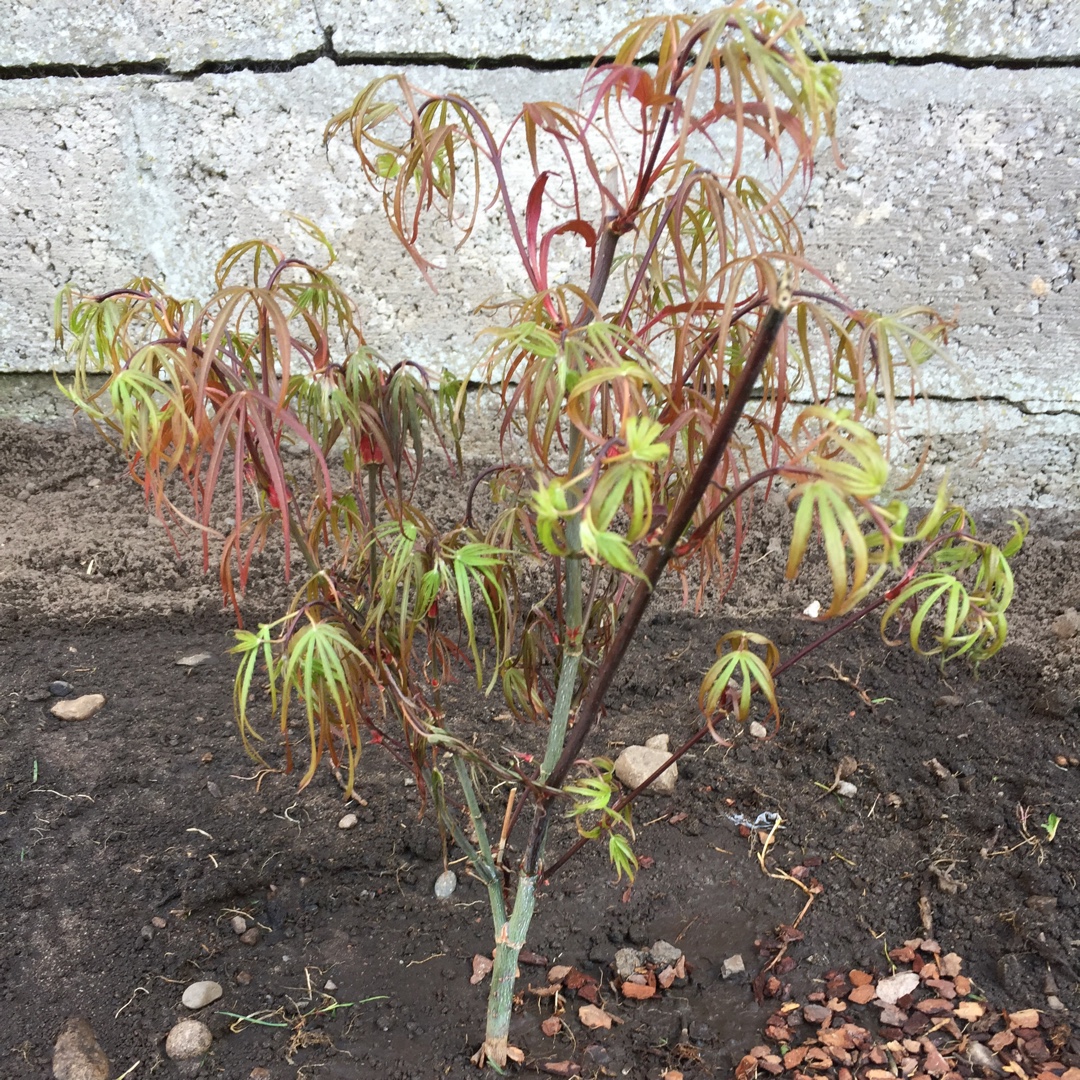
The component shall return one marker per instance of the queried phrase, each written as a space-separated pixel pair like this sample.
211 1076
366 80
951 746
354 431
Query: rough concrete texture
962 190
100 33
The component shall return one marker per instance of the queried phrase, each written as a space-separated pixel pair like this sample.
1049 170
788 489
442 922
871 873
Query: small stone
59 688
732 966
348 821
846 789
77 1054
892 989
329 986
242 978
664 953
200 994
239 924
758 730
1056 1004
1042 904
637 763
260 1072
250 937
445 884
187 1040
159 922
659 742
147 933
194 660
627 961
1066 625
80 708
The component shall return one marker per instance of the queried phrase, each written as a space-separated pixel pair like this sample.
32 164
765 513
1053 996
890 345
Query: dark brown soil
151 810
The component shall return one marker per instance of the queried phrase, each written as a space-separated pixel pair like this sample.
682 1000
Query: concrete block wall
143 138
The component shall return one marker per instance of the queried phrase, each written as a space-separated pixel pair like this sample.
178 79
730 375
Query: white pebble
349 821
846 789
445 884
238 924
758 729
199 994
194 660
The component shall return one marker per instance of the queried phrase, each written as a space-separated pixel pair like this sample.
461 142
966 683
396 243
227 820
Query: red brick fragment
935 1007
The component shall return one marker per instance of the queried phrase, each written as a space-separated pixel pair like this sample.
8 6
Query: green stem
481 861
509 941
573 616
373 490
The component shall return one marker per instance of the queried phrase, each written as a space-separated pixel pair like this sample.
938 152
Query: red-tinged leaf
532 229
551 1026
558 973
582 228
589 992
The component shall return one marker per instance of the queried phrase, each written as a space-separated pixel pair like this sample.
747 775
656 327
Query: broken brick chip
968 1010
859 978
594 1017
481 968
944 988
551 1026
637 991
935 1007
561 1068
747 1069
863 994
949 965
1024 1018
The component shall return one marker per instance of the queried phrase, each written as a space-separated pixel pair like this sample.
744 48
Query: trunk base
496 1053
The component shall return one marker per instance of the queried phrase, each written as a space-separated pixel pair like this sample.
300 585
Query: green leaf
740 670
622 856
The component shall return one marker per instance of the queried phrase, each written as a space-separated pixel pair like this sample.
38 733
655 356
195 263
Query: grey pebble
627 961
59 688
733 966
188 1039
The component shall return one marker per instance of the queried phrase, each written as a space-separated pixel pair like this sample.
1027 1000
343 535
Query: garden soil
132 841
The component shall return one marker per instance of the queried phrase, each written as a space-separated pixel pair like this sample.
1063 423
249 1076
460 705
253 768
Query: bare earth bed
130 841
